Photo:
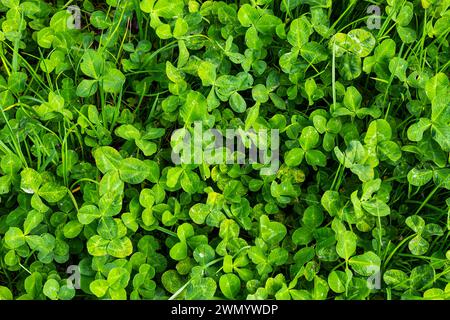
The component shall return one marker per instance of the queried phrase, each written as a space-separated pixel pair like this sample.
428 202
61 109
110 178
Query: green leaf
247 15
378 131
440 110
201 289
313 216
314 52
107 228
365 264
107 158
111 183
415 131
133 171
416 223
437 86
320 290
419 177
396 278
331 202
267 23
17 82
389 150
237 103
302 236
99 287
338 281
349 66
52 192
168 8
405 15
92 63
398 67
51 289
252 116
309 138
198 212
5 293
407 35
441 134
422 277
120 248
363 42
271 232
352 99
207 73
230 285
88 213
346 244
316 158
118 278
203 254
179 251
10 164
72 229
376 207
299 31
112 81
30 180
260 93
33 219
87 88
14 238
173 176
294 157
45 37
181 27
97 246
418 245
194 108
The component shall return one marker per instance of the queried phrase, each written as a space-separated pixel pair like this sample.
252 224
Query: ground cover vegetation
92 207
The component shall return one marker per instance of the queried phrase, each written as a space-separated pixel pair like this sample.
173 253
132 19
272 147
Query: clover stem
177 293
333 74
396 249
166 231
24 268
428 198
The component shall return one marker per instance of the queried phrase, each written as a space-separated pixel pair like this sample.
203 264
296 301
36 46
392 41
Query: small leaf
419 177
99 287
133 171
14 238
195 108
51 289
366 264
33 219
30 180
271 232
120 248
376 207
237 103
207 73
230 285
346 244
88 213
107 158
398 67
52 192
